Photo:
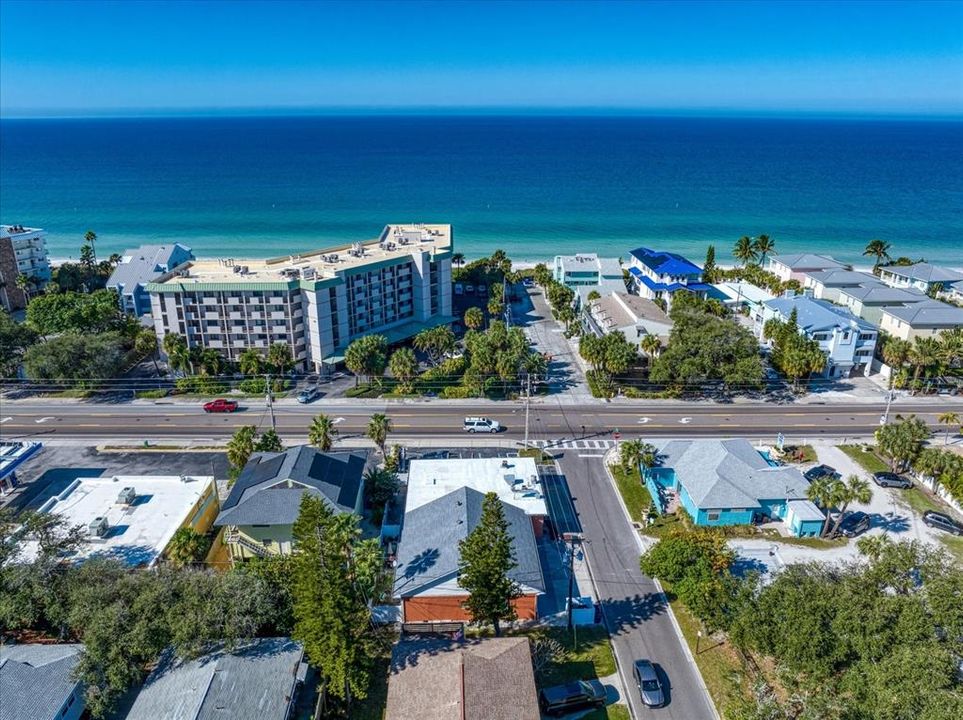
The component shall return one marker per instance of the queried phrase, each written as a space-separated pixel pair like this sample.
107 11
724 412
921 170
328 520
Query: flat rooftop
510 478
395 241
7 230
136 533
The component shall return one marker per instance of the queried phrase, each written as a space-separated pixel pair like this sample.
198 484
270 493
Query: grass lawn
588 655
541 457
867 459
799 454
955 547
663 524
634 493
610 712
818 543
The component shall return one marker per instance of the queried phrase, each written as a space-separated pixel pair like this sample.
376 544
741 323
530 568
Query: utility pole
270 400
571 538
889 398
528 397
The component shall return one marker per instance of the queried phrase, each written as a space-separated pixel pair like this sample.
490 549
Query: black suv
571 696
889 479
820 471
854 524
943 522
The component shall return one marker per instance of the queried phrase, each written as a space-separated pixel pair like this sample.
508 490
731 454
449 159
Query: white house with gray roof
923 319
869 301
257 681
827 284
36 682
795 267
847 341
729 482
265 500
922 276
139 266
426 571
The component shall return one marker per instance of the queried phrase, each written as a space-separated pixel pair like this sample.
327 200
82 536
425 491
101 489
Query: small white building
795 267
132 518
847 341
921 276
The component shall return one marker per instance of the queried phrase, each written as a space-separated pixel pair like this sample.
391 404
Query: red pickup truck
220 405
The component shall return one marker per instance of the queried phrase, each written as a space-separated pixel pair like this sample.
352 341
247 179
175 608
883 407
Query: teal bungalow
729 482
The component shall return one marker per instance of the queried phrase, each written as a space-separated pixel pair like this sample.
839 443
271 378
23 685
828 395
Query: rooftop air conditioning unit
97 527
127 496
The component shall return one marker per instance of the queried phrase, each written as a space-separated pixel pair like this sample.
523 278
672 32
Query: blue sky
122 57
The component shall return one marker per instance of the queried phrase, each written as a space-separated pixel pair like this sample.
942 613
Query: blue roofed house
139 266
264 502
847 341
729 482
656 275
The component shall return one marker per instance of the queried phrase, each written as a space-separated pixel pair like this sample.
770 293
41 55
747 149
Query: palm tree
923 354
878 249
249 362
378 428
90 237
764 245
321 432
855 489
145 344
745 250
23 285
474 318
951 347
185 546
178 355
651 345
212 362
404 367
279 357
635 454
948 418
825 492
458 259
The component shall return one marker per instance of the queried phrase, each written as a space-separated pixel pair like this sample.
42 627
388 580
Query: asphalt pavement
634 609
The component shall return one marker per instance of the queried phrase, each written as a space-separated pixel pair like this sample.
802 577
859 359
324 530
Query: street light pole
270 400
528 398
571 538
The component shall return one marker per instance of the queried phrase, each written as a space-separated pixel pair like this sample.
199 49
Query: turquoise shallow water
534 186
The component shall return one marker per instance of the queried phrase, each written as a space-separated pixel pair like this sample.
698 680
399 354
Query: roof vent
97 527
127 496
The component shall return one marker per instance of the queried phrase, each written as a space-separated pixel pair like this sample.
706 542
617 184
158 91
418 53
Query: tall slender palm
458 259
923 354
378 428
23 285
249 362
90 237
878 249
855 489
948 419
825 492
651 345
178 355
321 432
745 250
764 245
145 344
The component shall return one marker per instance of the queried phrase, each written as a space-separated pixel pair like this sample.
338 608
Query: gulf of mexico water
533 186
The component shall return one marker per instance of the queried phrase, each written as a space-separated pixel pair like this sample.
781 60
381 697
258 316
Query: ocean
534 186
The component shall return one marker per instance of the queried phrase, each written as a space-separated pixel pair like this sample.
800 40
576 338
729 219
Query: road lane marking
644 420
6 419
44 419
587 455
685 420
337 421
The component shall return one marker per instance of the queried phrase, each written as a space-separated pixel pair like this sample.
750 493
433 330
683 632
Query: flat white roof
511 478
737 291
138 533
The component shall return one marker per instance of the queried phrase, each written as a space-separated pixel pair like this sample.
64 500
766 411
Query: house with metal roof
827 284
586 270
922 319
729 482
847 341
143 265
743 296
37 683
487 679
264 502
657 274
426 570
257 681
795 267
923 276
869 301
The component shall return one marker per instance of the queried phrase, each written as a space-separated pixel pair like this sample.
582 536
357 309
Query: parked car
469 289
482 424
854 524
459 289
309 394
942 521
647 680
220 405
889 479
820 471
569 697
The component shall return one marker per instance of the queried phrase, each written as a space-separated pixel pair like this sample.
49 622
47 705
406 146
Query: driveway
633 608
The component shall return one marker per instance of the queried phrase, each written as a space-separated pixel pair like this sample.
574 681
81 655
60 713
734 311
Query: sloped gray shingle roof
885 294
254 682
35 680
814 315
146 263
808 261
933 314
729 474
428 553
255 498
926 272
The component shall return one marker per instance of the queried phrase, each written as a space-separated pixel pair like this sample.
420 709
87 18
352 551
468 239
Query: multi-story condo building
846 340
23 251
316 302
656 275
143 265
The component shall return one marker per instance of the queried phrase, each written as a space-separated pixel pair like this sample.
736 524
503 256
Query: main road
549 421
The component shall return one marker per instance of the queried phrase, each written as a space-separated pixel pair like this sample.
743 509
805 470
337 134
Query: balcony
279 315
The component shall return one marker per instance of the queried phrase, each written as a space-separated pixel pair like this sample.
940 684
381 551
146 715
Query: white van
482 424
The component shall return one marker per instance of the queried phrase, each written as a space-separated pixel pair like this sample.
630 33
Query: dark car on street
578 695
220 405
854 524
820 471
647 680
942 521
890 479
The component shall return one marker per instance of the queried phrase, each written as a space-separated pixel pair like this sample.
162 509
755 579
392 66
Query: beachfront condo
317 302
23 251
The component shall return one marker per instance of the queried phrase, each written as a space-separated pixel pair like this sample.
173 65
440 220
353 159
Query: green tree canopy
367 356
322 432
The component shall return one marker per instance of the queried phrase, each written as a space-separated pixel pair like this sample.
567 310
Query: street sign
616 434
780 440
